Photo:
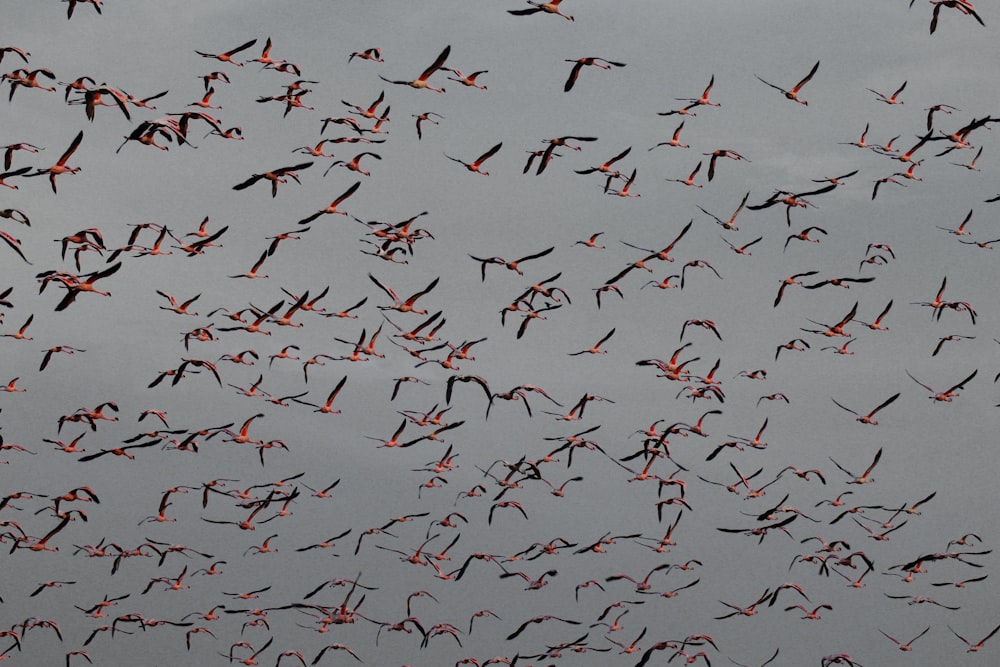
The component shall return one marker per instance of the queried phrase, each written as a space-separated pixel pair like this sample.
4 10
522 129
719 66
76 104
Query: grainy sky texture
677 444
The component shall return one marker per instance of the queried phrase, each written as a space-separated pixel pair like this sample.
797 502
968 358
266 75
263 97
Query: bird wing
436 64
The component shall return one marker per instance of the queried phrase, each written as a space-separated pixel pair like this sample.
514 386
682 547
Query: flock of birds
542 523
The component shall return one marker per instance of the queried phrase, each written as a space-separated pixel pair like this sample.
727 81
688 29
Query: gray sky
669 52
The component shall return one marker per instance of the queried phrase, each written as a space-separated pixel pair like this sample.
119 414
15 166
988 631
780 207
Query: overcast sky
659 59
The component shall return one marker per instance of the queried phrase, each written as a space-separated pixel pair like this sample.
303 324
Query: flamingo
314 151
8 174
596 349
749 610
69 14
327 408
791 200
14 243
204 102
861 143
689 181
265 56
908 155
960 230
120 451
26 79
962 6
580 63
643 585
20 335
252 660
276 176
756 443
938 304
549 151
949 394
943 108
467 80
511 265
42 544
366 112
624 192
421 81
374 54
592 242
402 306
227 57
76 286
337 647
960 138
53 350
547 156
354 164
793 94
683 111
877 260
731 223
14 49
426 116
60 166
87 238
697 264
310 306
742 250
919 599
877 324
674 140
721 152
144 103
840 282
538 619
214 76
946 339
979 645
475 166
547 7
908 174
181 309
810 615
796 345
836 180
868 418
606 168
838 328
92 100
147 131
703 100
804 236
414 334
840 350
865 477
704 324
890 99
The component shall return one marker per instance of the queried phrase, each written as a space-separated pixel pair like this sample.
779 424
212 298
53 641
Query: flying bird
580 63
793 94
60 166
276 176
868 418
227 57
475 166
547 7
947 395
889 99
421 81
865 477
